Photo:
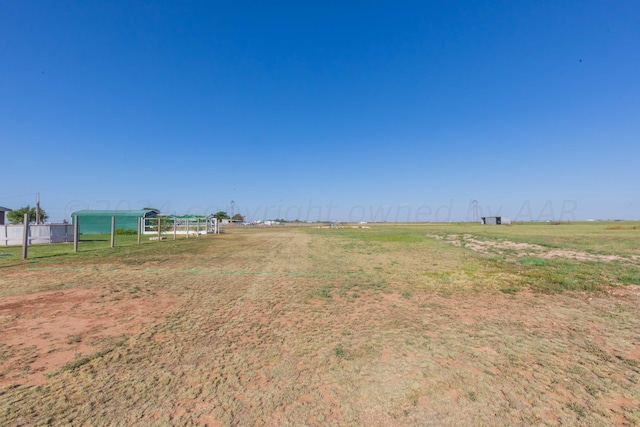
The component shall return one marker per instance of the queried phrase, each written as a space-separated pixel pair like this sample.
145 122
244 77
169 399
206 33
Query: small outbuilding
99 222
492 220
495 220
2 211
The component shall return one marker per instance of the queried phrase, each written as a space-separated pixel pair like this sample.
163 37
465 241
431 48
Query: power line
17 197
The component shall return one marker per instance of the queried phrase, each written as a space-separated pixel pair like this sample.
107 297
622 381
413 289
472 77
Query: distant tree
237 217
221 215
16 216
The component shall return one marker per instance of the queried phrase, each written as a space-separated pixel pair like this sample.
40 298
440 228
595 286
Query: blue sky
376 110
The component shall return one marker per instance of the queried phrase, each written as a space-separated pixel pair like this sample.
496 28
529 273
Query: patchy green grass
386 325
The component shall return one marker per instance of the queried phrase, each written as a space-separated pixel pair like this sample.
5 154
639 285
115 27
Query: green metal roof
134 213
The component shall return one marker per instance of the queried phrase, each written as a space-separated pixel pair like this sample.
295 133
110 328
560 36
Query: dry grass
292 326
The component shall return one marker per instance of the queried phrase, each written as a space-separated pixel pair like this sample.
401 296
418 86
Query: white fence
38 234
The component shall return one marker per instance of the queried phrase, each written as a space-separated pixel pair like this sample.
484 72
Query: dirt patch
629 290
43 332
507 247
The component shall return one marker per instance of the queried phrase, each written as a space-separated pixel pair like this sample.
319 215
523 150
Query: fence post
139 227
174 228
188 220
113 231
76 235
159 229
25 236
197 227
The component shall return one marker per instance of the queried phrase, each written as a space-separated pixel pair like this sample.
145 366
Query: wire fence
180 225
159 228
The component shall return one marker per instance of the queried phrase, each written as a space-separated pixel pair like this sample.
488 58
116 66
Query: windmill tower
474 207
233 207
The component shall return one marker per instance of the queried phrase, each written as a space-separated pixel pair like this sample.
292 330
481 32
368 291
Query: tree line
220 215
16 216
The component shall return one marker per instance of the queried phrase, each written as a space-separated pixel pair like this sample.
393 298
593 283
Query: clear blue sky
363 110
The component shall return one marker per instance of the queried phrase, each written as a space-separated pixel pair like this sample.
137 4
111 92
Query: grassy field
381 325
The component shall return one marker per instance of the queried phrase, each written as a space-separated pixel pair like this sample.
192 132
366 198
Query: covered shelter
182 224
99 222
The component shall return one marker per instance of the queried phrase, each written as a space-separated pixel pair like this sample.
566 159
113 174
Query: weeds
530 261
630 279
578 409
72 339
79 362
4 352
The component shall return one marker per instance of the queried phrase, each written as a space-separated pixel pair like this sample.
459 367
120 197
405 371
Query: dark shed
492 220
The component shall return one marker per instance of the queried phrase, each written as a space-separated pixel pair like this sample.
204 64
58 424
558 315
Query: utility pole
38 209
25 236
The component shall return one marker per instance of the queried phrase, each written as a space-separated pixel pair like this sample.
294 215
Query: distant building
492 220
228 221
495 220
2 211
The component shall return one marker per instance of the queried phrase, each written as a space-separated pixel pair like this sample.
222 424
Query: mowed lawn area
374 325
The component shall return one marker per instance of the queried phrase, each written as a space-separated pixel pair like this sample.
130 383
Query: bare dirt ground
289 327
44 331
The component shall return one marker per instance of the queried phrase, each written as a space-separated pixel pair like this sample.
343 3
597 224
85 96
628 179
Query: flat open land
376 325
